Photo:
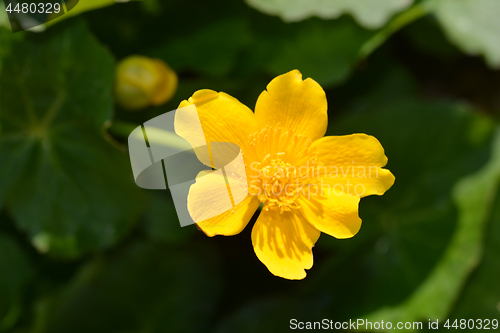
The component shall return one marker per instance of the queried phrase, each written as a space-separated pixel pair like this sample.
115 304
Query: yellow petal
213 207
222 117
283 242
333 214
353 164
294 104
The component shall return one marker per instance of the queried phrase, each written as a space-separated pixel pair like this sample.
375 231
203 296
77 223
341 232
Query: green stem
122 129
156 135
399 22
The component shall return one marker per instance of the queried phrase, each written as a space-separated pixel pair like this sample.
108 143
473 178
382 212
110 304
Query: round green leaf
62 181
145 288
16 273
473 25
368 13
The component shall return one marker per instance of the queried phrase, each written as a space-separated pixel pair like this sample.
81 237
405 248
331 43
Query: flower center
287 169
278 186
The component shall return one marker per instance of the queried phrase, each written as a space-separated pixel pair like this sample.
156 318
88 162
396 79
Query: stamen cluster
288 167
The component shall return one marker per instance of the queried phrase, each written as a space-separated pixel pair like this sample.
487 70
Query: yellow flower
141 82
307 183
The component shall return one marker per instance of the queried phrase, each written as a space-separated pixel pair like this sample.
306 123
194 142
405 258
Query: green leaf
368 13
481 296
434 298
81 6
409 238
161 222
472 25
4 19
61 180
145 288
246 47
211 50
323 50
16 273
4 44
427 36
6 40
270 314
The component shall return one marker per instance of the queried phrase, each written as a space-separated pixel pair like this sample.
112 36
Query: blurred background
83 249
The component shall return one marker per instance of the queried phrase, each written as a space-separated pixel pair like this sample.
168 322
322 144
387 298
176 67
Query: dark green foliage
83 249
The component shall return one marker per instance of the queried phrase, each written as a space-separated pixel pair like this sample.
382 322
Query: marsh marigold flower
306 183
141 82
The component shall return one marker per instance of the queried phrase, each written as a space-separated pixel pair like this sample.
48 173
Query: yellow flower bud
141 82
